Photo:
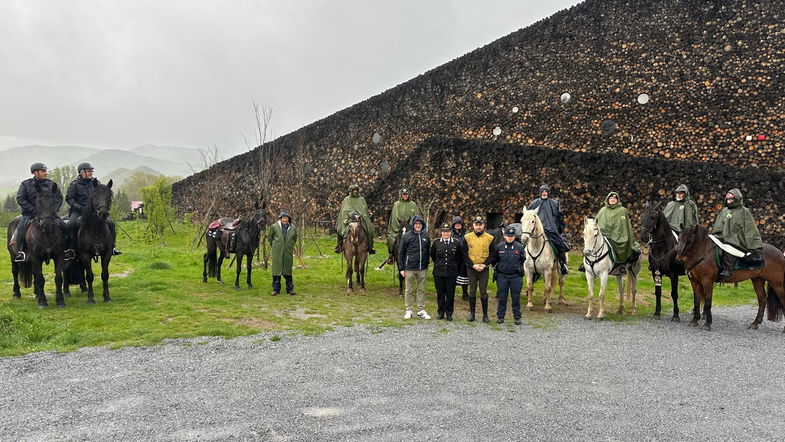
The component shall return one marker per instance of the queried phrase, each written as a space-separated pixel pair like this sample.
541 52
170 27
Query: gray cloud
120 74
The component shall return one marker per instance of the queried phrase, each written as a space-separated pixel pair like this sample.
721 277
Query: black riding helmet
84 166
38 166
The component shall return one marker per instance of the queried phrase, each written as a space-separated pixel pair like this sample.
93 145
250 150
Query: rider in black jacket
79 193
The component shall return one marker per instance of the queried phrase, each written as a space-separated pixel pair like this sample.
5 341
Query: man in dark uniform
26 197
79 194
553 222
508 257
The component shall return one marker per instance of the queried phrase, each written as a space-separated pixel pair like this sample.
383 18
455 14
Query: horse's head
691 239
46 206
259 217
531 225
592 236
354 217
650 221
101 198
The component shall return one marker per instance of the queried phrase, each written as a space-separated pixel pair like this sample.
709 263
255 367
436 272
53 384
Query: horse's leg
239 257
697 295
549 283
590 284
220 265
603 286
15 271
364 258
632 287
59 263
529 289
620 283
249 264
562 301
105 275
204 270
759 284
89 276
675 296
707 294
657 296
349 263
38 282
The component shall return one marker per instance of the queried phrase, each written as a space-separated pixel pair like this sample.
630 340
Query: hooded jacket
401 211
683 212
549 213
615 225
415 248
282 240
352 204
736 226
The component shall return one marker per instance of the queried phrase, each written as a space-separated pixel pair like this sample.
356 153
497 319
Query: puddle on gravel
323 412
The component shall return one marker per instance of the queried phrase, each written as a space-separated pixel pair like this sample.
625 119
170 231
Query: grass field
158 294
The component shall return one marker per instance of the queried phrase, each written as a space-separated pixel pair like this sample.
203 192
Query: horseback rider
682 211
403 210
26 197
615 225
735 226
354 202
79 194
553 222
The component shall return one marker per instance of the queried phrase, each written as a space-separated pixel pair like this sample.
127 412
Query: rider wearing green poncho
403 210
351 204
615 225
736 226
682 211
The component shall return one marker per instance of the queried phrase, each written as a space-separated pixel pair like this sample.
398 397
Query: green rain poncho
283 248
735 225
401 211
354 204
683 212
615 225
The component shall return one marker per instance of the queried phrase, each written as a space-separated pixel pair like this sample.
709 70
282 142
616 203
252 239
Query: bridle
596 252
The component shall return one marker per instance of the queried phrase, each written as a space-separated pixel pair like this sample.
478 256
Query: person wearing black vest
447 257
508 257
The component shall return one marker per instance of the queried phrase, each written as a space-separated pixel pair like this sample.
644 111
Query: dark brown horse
697 252
45 242
355 252
247 233
402 228
657 234
94 241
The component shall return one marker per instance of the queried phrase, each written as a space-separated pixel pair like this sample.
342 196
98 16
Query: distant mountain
120 176
166 160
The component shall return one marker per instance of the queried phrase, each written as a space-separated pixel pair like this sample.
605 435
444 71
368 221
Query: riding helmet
84 166
38 166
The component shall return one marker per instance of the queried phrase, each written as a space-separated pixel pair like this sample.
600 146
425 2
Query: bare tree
208 157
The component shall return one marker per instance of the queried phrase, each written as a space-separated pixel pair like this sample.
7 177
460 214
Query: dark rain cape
683 212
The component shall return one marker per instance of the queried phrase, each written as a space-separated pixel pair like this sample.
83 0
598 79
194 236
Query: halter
596 252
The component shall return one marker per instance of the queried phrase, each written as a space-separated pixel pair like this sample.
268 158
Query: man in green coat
735 226
403 210
682 211
354 202
614 223
282 236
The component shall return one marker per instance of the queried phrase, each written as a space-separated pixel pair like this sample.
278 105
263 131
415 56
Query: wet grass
158 294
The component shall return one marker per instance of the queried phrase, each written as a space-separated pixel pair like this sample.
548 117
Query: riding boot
582 267
339 244
728 261
563 263
472 306
484 302
371 250
465 290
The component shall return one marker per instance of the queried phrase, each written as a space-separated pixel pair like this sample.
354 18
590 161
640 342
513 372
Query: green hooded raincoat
401 211
683 212
354 204
283 248
615 225
735 226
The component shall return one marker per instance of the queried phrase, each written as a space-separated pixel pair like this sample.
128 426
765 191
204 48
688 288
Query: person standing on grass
458 232
477 254
413 261
508 259
447 256
282 237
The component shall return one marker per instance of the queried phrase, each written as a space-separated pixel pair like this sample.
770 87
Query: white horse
540 259
598 263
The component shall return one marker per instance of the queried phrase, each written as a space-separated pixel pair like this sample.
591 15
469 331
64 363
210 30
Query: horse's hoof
529 307
548 310
220 282
67 294
237 287
204 280
17 296
707 327
43 305
656 317
107 299
60 305
587 318
675 319
90 301
563 303
693 324
753 326
600 318
251 286
362 290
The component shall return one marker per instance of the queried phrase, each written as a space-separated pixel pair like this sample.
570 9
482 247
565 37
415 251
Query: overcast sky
123 73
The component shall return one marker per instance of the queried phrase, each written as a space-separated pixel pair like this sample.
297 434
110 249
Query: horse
657 234
355 251
45 242
94 241
247 233
697 252
402 228
599 264
540 259
18 269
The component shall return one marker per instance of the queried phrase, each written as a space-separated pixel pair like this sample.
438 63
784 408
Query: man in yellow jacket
477 254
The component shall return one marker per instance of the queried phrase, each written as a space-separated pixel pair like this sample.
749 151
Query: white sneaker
408 315
423 314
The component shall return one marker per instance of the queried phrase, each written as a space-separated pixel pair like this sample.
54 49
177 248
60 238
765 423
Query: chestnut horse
355 251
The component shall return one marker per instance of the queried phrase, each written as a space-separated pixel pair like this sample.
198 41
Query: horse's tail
74 274
212 263
774 306
26 272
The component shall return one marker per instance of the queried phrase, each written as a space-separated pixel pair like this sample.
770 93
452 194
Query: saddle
224 224
224 231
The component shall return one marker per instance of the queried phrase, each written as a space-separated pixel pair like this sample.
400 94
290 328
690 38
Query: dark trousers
277 283
19 236
480 278
513 284
445 293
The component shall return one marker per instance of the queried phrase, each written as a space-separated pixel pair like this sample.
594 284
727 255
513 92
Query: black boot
582 268
563 263
465 295
472 306
728 261
339 244
484 302
371 250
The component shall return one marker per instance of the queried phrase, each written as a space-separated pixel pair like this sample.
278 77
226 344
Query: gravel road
558 379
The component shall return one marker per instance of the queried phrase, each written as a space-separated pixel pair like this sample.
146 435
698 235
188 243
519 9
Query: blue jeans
513 284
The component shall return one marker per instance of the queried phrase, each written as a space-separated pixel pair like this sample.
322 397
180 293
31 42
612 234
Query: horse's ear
537 210
55 188
109 184
585 220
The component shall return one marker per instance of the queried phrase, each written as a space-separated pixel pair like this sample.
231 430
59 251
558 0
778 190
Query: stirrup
69 254
20 256
116 252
